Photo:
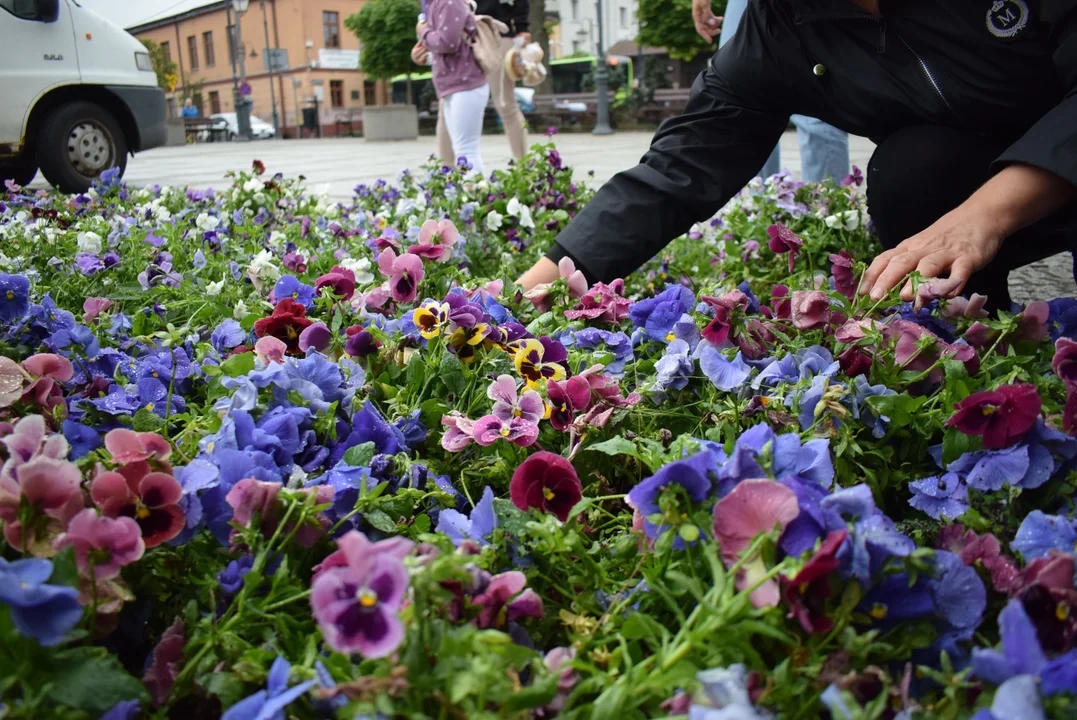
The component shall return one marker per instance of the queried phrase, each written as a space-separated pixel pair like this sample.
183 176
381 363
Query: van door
35 57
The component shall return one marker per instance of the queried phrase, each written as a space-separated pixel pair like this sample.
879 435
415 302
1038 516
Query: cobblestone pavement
336 165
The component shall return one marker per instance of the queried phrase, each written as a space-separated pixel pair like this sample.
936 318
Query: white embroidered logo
1006 18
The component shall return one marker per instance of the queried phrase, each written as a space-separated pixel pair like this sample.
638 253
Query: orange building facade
322 60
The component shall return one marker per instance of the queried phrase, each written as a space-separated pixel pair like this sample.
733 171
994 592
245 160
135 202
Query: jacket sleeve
697 161
447 19
521 16
1051 143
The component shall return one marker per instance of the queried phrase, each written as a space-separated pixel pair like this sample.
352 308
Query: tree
165 68
386 32
668 24
541 34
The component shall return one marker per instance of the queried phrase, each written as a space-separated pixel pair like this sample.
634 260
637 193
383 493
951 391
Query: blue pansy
672 370
940 497
123 710
38 610
1023 656
959 594
816 360
1062 318
269 704
693 474
227 336
657 315
1040 533
230 579
784 370
82 439
477 526
14 297
726 375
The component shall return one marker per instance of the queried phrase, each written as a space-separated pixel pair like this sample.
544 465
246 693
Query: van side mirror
48 11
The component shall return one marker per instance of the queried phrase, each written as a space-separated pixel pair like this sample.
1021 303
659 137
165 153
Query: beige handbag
486 42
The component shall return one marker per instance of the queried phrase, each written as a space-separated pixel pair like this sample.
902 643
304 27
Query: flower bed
268 455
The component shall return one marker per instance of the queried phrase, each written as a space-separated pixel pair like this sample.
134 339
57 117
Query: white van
77 94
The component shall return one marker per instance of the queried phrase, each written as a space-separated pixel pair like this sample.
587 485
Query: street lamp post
270 60
243 109
602 114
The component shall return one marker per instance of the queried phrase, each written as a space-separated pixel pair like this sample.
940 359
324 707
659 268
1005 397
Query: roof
182 10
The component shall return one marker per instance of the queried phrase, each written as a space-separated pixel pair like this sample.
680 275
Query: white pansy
213 289
240 311
361 268
525 217
89 242
253 185
848 220
206 222
513 208
494 220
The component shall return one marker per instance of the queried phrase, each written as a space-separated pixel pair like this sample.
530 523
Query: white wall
579 23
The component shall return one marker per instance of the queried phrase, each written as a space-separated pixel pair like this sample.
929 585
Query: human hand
419 53
707 25
956 245
420 28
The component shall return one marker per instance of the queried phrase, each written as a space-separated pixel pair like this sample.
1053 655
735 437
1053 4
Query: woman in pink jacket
458 80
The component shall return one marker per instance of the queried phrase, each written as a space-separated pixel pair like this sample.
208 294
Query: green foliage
386 32
668 24
161 64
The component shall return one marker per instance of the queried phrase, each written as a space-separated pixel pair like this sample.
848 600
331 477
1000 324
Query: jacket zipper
927 73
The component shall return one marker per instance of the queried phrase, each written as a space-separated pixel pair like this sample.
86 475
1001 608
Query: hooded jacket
514 13
1006 69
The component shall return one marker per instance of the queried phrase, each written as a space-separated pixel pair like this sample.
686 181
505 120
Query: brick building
322 58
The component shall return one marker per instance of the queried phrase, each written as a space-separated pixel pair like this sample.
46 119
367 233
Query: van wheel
20 171
77 143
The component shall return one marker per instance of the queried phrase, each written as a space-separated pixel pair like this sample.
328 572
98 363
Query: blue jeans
824 150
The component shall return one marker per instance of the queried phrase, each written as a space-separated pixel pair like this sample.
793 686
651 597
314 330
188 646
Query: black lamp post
602 114
243 108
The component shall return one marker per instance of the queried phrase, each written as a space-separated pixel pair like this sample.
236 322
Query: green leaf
616 446
225 686
147 421
955 444
533 696
360 455
64 569
899 408
452 373
380 520
93 680
639 626
238 365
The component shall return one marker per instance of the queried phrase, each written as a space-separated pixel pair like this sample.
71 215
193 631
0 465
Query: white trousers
463 117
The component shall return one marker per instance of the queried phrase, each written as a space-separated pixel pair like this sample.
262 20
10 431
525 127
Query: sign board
331 59
245 89
275 59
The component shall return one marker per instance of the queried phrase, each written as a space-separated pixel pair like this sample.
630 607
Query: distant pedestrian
189 109
458 80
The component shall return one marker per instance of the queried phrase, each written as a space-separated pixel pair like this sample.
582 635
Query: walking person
824 150
516 16
460 84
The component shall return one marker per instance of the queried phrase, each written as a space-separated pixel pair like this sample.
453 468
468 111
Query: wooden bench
205 130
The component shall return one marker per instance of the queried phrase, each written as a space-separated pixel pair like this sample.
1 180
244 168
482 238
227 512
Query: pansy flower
339 280
505 599
806 592
567 397
783 240
547 482
1002 417
14 297
513 418
150 498
430 318
436 240
404 272
538 361
287 321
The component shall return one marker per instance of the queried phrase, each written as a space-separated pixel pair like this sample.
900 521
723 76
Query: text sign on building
275 59
329 59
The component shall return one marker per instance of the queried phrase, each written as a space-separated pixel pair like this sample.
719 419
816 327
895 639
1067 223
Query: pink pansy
1053 571
48 371
980 335
128 446
339 280
493 289
252 499
150 498
934 289
373 300
269 350
386 241
754 507
602 302
315 337
1032 322
854 330
983 549
490 429
51 487
404 272
970 307
1069 410
784 240
12 378
547 482
356 604
841 267
93 307
567 397
459 433
114 542
436 240
573 279
1065 360
507 405
294 262
718 330
165 663
505 600
779 301
810 309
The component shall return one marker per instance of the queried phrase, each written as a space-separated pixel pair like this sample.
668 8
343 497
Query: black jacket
1004 68
514 13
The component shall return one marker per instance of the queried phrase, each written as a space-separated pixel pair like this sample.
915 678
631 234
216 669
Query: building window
575 46
331 28
336 93
167 50
207 45
370 93
214 102
624 17
575 9
192 50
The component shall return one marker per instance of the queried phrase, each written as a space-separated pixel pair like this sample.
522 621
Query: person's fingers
877 266
931 266
898 267
962 269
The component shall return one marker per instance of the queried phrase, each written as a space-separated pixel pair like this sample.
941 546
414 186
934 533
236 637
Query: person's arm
707 25
1038 178
697 161
444 32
